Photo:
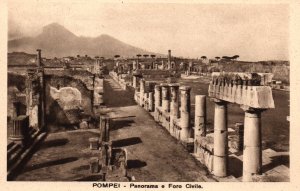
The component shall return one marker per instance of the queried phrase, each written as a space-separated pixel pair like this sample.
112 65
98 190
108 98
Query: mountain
57 41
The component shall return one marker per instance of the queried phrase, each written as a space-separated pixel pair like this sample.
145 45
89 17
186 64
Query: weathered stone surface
241 92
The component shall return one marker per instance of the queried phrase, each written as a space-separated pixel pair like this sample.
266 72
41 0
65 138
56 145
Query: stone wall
59 111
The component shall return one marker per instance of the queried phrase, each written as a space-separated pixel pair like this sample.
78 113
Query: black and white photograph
140 92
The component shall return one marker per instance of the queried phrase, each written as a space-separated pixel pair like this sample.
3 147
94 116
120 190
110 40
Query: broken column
165 97
169 59
19 130
151 102
94 165
104 128
134 81
157 100
165 104
142 91
200 119
174 107
252 155
220 139
185 110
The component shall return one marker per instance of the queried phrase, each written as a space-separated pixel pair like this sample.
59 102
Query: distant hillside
56 41
21 58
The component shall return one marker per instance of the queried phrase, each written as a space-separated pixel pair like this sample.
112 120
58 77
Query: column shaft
157 100
185 110
220 140
200 119
252 156
142 91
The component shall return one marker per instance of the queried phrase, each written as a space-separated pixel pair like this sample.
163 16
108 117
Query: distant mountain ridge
57 41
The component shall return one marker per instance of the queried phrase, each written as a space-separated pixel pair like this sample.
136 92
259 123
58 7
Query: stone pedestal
94 143
200 119
220 139
252 156
185 110
94 165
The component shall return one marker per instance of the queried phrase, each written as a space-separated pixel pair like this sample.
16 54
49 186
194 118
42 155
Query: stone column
151 102
104 128
157 100
174 109
185 110
220 139
134 65
142 91
134 81
252 155
165 97
19 129
200 119
39 57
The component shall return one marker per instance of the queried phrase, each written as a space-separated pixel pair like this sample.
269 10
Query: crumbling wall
60 112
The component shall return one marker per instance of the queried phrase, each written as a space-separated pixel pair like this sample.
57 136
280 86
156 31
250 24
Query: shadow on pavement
54 143
95 177
235 167
116 97
118 124
50 163
135 164
126 142
276 161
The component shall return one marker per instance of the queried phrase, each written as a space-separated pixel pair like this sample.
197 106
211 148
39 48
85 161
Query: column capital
249 109
218 101
164 85
174 84
185 88
157 86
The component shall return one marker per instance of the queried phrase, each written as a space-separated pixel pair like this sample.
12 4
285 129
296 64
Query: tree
217 58
235 57
153 56
138 55
226 57
146 55
203 57
117 56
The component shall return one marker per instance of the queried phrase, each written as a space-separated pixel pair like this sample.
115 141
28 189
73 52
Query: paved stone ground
153 155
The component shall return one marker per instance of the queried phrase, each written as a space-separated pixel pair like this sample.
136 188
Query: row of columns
166 99
252 151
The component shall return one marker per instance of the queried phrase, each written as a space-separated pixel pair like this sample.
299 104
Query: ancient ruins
72 96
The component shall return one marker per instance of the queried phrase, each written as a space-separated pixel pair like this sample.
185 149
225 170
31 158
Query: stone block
94 143
94 165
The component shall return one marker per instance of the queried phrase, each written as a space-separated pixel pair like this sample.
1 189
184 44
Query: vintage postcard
140 95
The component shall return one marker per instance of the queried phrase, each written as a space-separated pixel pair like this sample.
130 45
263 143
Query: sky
253 31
